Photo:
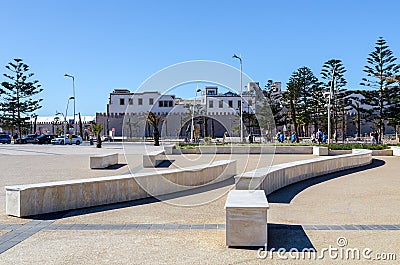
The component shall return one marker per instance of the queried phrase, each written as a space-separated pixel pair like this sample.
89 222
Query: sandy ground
369 195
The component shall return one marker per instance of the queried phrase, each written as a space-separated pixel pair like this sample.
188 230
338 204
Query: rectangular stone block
246 218
320 150
395 150
103 161
153 159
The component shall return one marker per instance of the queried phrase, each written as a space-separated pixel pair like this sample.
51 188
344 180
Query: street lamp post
329 105
65 119
73 95
192 126
241 97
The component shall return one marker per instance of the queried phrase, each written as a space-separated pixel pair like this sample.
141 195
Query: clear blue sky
118 44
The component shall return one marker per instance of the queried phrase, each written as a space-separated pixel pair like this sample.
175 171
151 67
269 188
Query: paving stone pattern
19 233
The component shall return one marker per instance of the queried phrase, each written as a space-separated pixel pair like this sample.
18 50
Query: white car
60 140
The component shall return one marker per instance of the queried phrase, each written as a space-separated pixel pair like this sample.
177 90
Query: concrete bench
246 218
320 151
275 177
103 161
40 198
395 150
169 149
153 159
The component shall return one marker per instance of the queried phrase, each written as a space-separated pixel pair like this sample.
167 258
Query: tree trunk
156 137
80 125
98 145
293 112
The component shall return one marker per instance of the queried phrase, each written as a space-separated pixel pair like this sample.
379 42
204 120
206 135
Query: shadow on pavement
165 164
287 237
113 167
286 194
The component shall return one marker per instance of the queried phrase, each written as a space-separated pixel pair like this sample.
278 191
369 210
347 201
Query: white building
126 112
123 101
227 103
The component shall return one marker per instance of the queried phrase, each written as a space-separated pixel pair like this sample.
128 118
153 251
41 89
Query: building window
239 104
140 101
121 101
230 103
170 103
131 101
151 101
160 103
221 104
211 104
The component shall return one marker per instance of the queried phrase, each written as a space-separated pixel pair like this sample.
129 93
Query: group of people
316 137
280 136
319 137
374 137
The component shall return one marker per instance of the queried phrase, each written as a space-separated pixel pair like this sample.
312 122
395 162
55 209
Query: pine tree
17 95
291 99
382 73
303 81
333 71
274 101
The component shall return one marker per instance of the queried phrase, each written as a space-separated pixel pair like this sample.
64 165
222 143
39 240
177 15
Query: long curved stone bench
275 177
33 199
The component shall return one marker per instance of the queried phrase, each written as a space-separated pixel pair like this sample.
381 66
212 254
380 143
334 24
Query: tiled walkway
19 233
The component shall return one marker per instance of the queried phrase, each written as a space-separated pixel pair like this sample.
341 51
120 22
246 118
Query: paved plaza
359 206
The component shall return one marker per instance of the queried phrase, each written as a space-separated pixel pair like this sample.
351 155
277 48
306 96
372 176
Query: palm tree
154 121
97 129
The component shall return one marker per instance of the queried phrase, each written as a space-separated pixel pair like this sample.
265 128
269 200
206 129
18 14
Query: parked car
27 139
60 140
45 138
5 139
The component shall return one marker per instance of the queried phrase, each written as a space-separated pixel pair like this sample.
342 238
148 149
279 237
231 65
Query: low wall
385 152
253 149
275 177
33 199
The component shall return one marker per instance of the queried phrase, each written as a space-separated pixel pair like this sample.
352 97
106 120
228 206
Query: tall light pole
192 126
241 97
73 95
65 119
329 105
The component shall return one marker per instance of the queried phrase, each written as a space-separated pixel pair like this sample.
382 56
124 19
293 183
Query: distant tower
251 86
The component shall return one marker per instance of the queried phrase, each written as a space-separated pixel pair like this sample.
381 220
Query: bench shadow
288 237
286 194
127 204
165 163
113 167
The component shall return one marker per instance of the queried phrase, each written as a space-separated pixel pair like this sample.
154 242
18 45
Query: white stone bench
275 177
320 151
169 149
153 159
103 161
246 218
40 198
396 150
